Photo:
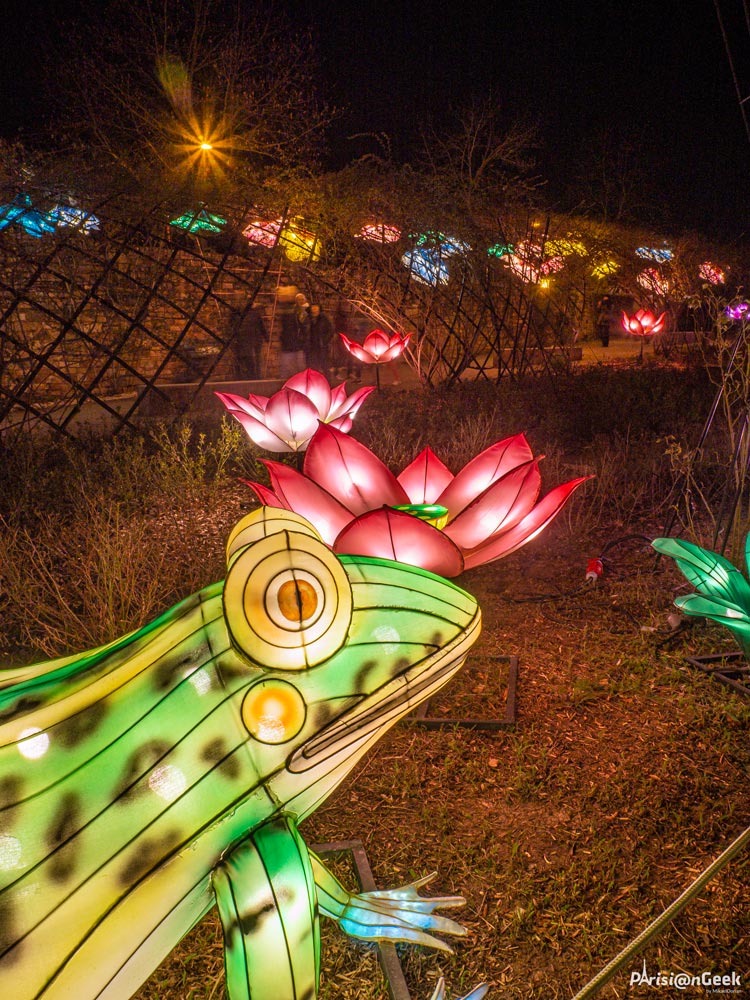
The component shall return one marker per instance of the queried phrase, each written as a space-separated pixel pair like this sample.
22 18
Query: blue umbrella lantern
426 265
20 212
427 261
74 218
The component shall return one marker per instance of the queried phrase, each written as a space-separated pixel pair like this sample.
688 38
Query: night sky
655 73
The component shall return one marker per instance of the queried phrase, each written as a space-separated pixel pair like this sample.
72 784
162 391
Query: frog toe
475 994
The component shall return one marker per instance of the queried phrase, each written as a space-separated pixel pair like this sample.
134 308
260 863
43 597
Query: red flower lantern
378 348
643 324
426 516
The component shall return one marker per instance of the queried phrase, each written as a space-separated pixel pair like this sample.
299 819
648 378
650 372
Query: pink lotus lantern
643 324
378 232
653 281
427 516
711 273
287 420
522 268
263 232
378 348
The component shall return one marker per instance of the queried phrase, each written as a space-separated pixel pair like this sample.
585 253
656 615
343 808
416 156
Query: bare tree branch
153 82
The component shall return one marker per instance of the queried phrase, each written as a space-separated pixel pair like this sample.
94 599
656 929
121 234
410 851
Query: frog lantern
145 781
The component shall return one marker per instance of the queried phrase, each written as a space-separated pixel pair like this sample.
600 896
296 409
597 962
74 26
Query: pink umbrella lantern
288 419
378 348
643 324
427 516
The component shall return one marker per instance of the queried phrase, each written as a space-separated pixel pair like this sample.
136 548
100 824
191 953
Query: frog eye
261 523
273 711
287 601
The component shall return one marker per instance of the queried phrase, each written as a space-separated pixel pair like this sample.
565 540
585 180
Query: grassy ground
627 771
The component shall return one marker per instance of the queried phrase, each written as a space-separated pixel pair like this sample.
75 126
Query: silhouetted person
320 335
295 324
604 310
249 334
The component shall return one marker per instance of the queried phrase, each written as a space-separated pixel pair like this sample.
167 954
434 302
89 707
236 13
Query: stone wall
107 318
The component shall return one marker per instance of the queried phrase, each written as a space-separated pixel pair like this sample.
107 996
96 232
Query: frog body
144 782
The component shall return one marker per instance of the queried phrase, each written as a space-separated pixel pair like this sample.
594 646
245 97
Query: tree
189 86
615 183
480 157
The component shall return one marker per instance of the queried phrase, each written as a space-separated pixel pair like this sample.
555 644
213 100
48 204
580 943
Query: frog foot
388 914
402 915
476 994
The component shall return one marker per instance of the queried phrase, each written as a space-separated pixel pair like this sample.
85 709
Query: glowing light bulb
168 782
33 743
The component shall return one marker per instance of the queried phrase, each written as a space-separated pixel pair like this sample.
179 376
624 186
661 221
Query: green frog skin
146 781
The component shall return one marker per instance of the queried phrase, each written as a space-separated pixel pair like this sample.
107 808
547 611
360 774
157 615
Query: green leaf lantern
723 593
146 781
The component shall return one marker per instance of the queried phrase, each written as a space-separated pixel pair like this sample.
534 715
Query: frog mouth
385 706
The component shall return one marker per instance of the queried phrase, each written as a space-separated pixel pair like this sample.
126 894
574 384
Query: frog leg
386 915
265 895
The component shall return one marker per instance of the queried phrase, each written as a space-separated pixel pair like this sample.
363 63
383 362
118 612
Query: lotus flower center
432 513
297 600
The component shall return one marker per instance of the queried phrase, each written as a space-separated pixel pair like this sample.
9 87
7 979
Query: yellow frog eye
287 601
273 711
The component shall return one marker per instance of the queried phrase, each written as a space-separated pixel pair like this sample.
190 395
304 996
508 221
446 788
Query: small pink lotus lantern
378 348
711 273
264 232
643 324
654 281
427 516
378 232
287 420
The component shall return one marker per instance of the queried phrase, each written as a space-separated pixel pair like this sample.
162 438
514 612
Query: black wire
588 584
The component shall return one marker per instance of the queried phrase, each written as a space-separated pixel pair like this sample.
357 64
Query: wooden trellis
108 316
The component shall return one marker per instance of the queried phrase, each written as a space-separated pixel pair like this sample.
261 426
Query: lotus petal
350 406
385 347
260 401
267 497
392 534
292 417
355 349
498 509
392 353
425 478
260 434
339 400
350 472
315 386
526 529
378 347
297 493
343 424
483 471
238 404
377 343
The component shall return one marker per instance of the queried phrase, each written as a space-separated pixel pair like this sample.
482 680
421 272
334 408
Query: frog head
348 645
